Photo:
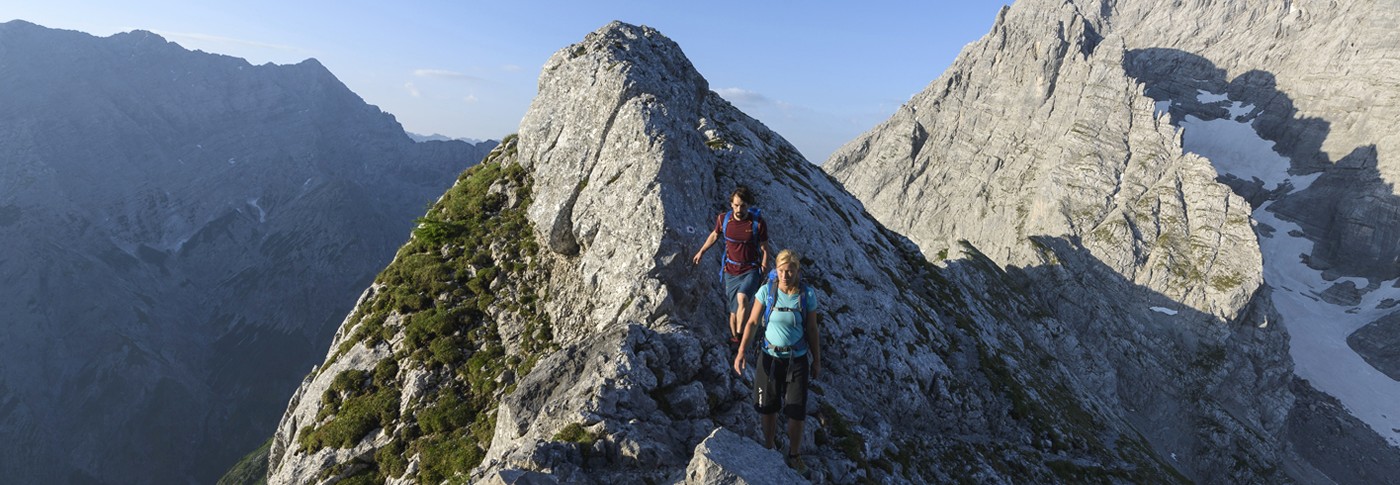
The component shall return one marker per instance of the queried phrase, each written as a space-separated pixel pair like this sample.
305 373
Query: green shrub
357 416
575 433
440 283
450 412
392 459
443 457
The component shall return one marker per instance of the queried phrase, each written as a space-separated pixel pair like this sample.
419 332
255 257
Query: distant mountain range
183 232
439 137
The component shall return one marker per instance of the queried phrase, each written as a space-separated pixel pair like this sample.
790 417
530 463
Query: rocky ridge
592 353
1152 260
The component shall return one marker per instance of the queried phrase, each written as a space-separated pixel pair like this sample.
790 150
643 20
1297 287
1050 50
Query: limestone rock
725 458
1041 147
1379 343
1344 293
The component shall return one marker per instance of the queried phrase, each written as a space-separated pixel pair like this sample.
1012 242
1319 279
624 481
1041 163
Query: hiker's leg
770 429
744 297
736 322
795 401
732 286
794 431
766 397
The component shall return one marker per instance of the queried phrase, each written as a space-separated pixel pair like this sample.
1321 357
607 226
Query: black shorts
781 382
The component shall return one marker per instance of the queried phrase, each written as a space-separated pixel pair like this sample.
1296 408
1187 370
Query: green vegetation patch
1226 282
472 262
576 433
355 405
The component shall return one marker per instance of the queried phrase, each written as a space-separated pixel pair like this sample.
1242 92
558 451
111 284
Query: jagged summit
573 337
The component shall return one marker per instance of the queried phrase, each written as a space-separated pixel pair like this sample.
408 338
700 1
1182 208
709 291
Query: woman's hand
739 363
816 366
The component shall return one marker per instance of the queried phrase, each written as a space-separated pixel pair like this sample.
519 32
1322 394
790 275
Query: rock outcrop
180 230
546 318
1050 144
725 458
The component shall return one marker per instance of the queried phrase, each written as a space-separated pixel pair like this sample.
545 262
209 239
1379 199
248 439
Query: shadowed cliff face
1040 132
181 231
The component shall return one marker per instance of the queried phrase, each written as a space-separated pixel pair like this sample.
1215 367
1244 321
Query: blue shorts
746 283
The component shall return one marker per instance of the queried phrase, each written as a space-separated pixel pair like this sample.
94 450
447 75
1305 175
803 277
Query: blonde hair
789 256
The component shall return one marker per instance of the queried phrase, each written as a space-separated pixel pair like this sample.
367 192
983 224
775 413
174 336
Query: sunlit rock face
181 230
1170 166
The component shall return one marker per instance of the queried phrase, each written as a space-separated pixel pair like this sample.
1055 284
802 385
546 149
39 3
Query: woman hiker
791 352
745 255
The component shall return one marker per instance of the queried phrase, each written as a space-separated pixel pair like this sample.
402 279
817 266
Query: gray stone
725 458
1379 344
1344 293
521 477
689 401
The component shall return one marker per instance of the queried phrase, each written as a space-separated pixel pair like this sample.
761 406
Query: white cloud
412 90
743 96
228 40
512 68
471 98
444 74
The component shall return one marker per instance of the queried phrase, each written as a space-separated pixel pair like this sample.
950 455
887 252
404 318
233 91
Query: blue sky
819 73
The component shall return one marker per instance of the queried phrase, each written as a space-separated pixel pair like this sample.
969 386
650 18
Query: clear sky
817 72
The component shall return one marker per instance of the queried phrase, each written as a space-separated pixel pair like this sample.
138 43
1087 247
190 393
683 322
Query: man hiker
745 255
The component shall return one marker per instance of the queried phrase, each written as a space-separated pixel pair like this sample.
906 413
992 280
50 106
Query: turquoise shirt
784 326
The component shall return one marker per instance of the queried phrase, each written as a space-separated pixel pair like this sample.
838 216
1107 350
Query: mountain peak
621 81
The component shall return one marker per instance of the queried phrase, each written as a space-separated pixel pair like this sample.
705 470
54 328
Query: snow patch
1234 148
1238 109
1161 108
1317 331
1208 97
1165 310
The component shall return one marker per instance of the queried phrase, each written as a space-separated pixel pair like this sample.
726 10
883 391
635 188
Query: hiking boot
795 463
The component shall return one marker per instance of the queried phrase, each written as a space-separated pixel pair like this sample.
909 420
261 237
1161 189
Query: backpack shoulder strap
770 300
757 224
